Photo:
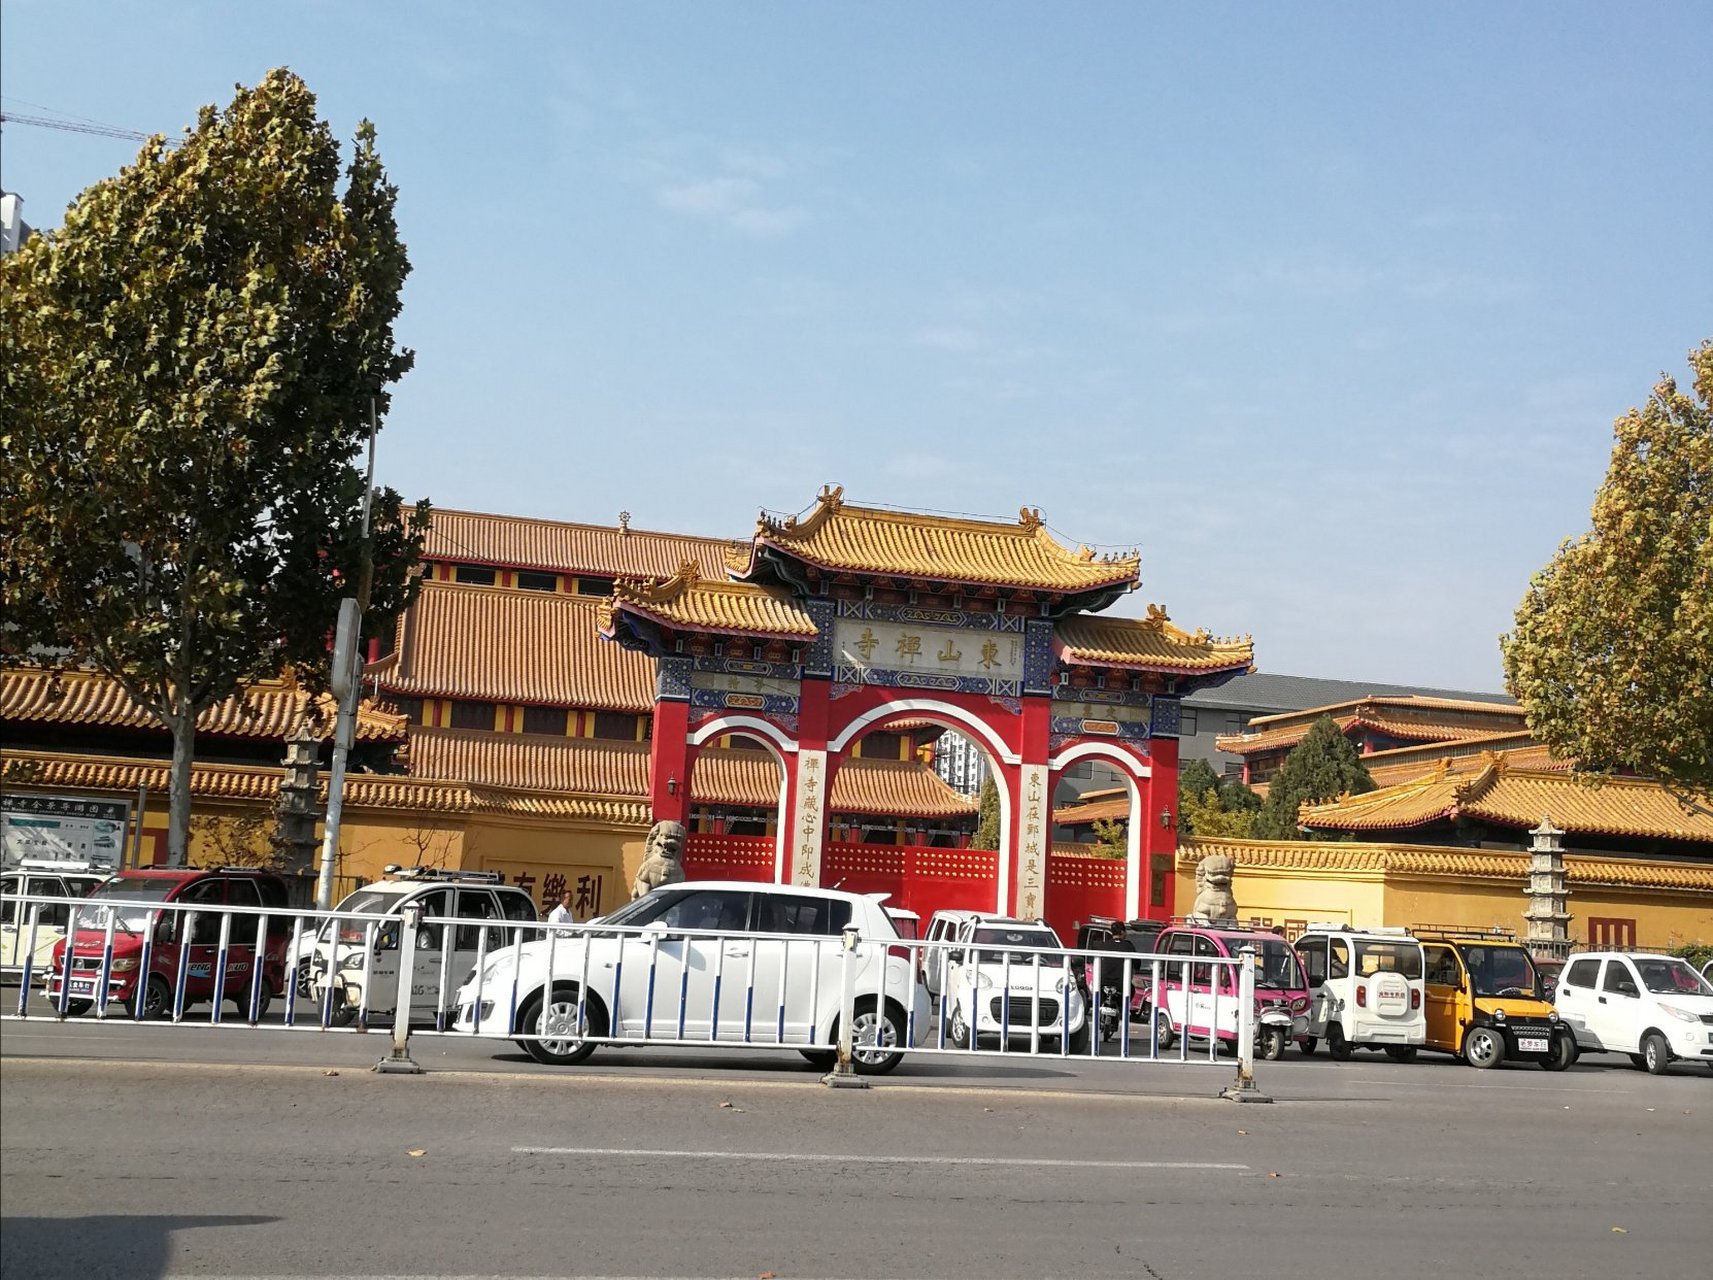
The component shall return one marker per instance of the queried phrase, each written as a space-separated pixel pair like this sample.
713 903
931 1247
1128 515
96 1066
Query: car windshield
368 902
1388 957
646 908
127 918
998 939
1494 971
1276 966
1673 978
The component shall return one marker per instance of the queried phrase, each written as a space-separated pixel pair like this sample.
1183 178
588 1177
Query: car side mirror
165 930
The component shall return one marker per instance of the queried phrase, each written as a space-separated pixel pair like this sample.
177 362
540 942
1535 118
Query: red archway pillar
669 762
1160 839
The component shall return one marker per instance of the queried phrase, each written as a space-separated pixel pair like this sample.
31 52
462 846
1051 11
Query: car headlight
1059 984
1682 1015
982 980
1498 1015
125 965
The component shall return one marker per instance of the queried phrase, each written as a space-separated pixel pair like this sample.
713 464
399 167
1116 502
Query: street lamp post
347 686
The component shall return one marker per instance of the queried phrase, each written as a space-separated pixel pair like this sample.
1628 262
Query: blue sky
1327 308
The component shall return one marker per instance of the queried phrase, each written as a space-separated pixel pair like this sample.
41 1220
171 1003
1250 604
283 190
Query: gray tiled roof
1265 694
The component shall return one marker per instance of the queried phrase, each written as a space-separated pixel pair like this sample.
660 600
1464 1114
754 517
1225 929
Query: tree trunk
183 726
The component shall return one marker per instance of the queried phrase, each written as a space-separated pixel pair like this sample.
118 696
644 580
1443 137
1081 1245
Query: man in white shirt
561 914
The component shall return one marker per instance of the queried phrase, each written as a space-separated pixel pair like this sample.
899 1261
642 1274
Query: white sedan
720 961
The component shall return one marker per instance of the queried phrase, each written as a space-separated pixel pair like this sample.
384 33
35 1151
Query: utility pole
347 683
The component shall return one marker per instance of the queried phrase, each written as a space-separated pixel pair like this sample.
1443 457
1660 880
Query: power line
69 126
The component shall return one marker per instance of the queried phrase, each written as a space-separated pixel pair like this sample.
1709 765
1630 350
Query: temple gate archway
835 625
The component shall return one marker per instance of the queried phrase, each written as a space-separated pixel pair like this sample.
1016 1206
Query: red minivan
186 939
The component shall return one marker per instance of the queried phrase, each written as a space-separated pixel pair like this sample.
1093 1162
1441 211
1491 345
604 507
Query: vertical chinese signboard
1032 841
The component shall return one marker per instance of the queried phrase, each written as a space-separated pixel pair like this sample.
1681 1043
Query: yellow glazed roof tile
270 709
1442 861
530 761
1106 810
688 602
1406 764
900 788
558 546
1419 718
1495 792
1151 644
840 538
52 772
533 647
527 762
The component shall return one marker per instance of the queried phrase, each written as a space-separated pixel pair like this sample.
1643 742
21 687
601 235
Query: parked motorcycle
1114 1000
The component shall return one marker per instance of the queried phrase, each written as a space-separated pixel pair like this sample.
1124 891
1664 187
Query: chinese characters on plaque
806 829
1032 847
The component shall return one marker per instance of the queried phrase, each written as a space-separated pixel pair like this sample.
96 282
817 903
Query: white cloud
738 196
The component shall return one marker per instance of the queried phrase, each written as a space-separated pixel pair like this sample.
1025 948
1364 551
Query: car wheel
559 1022
1340 1048
873 1036
1401 1052
264 998
77 1008
1079 1041
1483 1047
1639 1062
156 997
342 1014
303 980
960 1030
1563 1056
1656 1053
1164 1036
1307 1045
1273 1044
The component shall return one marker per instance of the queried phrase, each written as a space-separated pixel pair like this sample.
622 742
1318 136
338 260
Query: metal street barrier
852 1006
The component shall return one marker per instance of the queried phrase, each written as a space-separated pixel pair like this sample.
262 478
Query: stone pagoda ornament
294 831
1549 922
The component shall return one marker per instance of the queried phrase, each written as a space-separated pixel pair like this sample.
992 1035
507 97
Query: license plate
1531 1045
82 986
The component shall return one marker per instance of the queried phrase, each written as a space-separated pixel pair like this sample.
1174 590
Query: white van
38 878
1655 1008
943 928
478 897
1366 990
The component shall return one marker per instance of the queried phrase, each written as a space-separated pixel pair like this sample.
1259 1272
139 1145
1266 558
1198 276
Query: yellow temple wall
1272 896
1600 915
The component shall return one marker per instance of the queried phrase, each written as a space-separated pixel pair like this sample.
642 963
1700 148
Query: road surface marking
821 1158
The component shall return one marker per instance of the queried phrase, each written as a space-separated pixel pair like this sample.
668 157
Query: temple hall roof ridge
838 536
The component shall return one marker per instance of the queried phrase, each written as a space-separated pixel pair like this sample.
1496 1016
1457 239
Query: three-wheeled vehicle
1199 1000
1368 991
1484 1000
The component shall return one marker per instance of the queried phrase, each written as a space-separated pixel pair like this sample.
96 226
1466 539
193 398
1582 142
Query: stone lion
1214 899
662 858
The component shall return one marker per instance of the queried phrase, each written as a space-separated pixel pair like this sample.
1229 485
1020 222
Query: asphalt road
160 1151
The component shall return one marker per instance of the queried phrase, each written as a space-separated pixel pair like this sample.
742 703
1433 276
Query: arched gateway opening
852 622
